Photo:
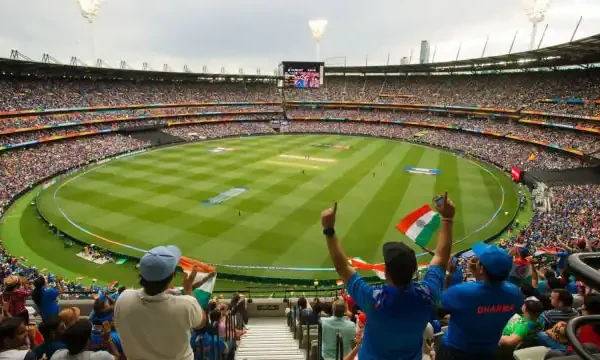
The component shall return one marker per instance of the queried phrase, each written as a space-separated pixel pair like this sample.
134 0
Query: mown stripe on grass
449 180
311 244
339 184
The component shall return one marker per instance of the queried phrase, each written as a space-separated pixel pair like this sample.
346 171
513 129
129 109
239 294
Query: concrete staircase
268 339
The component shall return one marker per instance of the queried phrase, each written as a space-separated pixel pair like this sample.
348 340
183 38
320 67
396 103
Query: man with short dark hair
479 310
524 328
338 323
399 310
562 303
306 315
153 323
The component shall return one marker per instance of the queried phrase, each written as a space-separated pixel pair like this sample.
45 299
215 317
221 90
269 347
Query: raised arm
444 243
534 274
336 252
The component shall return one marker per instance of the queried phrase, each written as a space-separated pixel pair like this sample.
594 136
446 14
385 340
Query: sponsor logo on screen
414 170
224 196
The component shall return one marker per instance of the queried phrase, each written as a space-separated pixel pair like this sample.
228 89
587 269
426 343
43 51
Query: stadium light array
535 11
317 28
89 8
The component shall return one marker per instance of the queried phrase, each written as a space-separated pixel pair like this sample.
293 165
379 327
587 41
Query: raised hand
328 217
445 207
188 281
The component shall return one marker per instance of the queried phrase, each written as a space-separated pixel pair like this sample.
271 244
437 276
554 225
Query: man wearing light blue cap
152 323
479 310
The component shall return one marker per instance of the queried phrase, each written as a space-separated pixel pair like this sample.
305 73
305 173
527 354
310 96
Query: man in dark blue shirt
398 312
479 310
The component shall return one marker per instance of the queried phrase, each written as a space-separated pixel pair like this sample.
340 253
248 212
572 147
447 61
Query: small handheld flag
420 225
204 292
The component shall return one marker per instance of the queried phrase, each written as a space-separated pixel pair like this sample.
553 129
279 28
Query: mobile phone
439 200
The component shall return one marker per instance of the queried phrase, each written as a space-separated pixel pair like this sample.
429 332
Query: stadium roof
21 67
581 52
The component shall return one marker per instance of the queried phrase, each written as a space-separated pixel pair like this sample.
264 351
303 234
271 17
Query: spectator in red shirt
14 296
590 334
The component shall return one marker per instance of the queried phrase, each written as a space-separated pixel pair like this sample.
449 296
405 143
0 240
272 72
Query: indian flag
204 292
420 225
360 264
339 282
521 272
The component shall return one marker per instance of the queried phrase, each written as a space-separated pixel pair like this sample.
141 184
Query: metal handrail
320 340
339 347
583 266
571 331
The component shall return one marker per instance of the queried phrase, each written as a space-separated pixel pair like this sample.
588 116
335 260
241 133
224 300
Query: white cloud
261 33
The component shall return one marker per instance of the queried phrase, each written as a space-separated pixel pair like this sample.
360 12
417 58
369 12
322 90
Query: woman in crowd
77 340
13 337
69 315
14 297
45 298
104 307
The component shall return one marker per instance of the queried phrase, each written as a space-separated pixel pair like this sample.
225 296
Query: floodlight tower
317 28
535 11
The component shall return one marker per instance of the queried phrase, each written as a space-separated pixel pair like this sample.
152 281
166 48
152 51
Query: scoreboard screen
302 74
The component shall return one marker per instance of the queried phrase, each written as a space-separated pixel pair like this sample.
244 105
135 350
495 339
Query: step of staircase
269 340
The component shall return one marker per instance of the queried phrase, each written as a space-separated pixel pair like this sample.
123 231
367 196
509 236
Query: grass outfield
157 198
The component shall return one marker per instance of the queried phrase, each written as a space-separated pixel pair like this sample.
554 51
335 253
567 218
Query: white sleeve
101 355
194 311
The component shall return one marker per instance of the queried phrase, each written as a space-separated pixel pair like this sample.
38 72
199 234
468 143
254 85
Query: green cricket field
251 205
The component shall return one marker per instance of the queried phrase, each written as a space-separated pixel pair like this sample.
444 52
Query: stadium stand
539 121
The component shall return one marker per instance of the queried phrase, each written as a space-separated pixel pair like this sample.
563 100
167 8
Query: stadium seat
313 335
531 353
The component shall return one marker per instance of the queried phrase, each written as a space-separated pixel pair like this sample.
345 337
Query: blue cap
159 263
494 259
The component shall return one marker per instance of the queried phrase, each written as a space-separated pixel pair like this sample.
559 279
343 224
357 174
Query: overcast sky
260 33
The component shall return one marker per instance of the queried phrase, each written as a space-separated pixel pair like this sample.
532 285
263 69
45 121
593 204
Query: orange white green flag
420 225
204 292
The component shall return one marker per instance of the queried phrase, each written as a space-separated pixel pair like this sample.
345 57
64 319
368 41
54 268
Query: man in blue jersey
479 310
300 81
398 312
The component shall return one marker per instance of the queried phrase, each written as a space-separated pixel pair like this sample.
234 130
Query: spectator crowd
487 306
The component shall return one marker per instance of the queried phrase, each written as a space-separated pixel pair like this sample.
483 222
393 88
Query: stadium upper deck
583 52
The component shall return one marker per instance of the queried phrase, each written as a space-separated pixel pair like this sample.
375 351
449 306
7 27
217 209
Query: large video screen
302 74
